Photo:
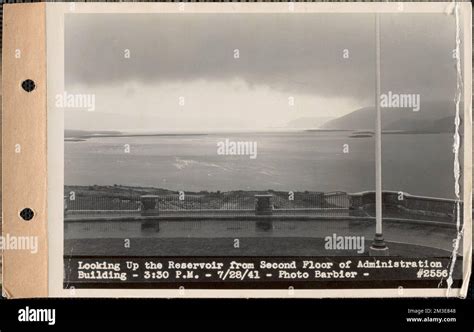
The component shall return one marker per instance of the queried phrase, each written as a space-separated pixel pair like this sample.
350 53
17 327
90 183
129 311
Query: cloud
292 53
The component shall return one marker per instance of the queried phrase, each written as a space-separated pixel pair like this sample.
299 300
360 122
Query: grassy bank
108 197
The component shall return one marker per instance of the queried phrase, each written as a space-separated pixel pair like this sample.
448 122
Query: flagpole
378 247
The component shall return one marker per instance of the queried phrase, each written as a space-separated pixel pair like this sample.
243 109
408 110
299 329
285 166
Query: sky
182 71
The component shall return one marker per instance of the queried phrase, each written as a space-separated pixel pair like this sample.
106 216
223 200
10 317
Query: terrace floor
216 237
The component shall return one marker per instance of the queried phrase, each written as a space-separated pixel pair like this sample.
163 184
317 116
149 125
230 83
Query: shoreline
86 136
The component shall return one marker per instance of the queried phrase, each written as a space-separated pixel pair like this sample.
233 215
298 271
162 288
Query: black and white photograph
226 139
231 160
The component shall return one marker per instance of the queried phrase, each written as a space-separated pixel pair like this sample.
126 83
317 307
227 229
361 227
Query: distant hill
432 116
442 125
309 122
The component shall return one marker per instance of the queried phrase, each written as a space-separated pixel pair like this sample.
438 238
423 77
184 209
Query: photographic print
279 147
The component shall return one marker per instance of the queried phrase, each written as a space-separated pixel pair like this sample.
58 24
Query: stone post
66 224
264 207
149 207
65 205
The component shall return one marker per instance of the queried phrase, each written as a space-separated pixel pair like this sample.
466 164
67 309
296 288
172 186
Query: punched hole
28 85
27 214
